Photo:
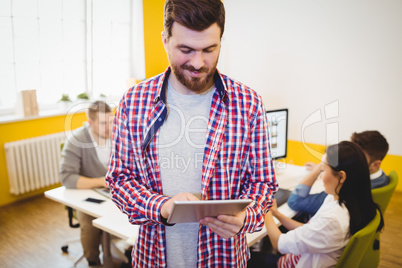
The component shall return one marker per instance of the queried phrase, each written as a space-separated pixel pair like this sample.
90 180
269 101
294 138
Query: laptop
103 191
281 196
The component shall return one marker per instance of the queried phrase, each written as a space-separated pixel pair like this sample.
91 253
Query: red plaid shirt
237 164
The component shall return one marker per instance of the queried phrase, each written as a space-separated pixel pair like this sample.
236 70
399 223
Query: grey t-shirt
181 150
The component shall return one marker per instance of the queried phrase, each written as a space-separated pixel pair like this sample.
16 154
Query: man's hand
225 226
167 206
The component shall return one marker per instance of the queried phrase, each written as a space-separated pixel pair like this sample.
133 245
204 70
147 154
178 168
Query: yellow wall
155 55
24 130
299 153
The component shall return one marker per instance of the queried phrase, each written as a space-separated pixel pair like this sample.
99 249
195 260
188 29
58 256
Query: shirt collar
220 86
376 174
163 82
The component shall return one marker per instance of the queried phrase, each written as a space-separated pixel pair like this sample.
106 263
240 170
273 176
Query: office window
68 46
111 45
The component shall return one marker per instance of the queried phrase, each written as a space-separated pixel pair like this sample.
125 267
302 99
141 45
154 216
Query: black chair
64 247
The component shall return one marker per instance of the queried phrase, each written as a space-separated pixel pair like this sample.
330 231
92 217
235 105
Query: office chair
71 217
358 244
382 196
64 248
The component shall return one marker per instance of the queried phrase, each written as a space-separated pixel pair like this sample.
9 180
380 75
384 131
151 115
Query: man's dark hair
98 107
373 144
196 15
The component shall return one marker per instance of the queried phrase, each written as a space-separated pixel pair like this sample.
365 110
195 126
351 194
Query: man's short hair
97 107
373 143
196 15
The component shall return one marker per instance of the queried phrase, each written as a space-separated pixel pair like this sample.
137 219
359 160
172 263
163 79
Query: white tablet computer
193 211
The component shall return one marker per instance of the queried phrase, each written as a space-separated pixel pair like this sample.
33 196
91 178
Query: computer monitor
278 132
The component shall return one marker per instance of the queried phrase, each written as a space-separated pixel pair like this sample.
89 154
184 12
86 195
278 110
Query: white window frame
136 58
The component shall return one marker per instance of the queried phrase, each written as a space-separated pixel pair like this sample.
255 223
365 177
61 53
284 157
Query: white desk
76 199
119 226
112 221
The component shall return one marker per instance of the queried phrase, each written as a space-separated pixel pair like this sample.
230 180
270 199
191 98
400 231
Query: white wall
306 55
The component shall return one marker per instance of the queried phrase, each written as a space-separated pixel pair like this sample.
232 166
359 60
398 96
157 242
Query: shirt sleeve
70 165
130 191
301 200
260 179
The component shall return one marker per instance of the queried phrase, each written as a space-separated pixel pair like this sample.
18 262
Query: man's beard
195 84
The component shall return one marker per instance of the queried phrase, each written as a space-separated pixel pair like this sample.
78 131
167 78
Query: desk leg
107 255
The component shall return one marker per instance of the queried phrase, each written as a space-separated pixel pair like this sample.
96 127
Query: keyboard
281 196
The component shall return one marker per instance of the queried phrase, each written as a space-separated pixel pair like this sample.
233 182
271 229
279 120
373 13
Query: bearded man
191 133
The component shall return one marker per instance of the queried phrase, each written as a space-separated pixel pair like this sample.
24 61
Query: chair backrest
358 244
383 195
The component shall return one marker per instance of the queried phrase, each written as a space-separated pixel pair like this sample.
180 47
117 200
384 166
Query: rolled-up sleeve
130 191
261 177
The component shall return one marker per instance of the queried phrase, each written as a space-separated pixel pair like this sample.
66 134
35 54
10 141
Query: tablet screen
193 211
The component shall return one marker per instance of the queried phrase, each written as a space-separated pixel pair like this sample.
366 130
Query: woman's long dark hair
356 190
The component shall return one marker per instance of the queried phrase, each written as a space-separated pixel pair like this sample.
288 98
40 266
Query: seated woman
348 208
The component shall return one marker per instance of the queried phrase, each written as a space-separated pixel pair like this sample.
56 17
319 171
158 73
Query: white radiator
33 163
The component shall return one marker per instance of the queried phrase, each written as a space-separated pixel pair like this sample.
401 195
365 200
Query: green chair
381 196
358 244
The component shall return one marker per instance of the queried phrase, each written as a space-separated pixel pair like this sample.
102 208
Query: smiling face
332 181
193 56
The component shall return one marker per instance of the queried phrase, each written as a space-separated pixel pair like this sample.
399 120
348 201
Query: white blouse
322 240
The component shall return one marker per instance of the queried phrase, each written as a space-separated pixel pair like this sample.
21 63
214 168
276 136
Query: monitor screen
278 132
